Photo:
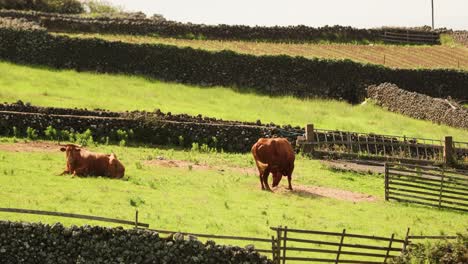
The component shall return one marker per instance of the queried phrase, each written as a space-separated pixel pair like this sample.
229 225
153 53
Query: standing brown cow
81 162
274 155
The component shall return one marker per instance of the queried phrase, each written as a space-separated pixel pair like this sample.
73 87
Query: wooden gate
427 186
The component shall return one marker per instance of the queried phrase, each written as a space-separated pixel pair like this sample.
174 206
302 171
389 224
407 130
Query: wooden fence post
405 244
278 244
386 181
389 247
284 243
340 246
310 137
136 219
448 151
273 249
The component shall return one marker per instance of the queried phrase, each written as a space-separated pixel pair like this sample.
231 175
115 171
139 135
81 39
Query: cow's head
116 168
277 178
72 152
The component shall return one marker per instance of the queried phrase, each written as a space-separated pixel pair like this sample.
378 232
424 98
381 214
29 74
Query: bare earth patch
343 165
316 191
301 190
34 146
195 166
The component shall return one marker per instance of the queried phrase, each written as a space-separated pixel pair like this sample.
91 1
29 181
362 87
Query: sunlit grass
217 200
45 87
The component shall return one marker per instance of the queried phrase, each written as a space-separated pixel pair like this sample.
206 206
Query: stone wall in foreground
42 243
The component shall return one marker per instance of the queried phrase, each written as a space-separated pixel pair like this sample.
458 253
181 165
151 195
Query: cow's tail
260 165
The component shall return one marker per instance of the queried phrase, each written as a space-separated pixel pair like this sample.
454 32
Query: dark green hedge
276 75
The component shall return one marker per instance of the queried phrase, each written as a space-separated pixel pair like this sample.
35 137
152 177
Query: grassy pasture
220 199
46 87
450 55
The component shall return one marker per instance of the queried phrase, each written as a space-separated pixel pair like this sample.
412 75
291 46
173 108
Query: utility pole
432 4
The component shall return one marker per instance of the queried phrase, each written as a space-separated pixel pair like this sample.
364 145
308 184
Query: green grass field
46 87
219 199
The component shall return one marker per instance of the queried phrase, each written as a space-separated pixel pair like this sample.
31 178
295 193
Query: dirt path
34 146
316 191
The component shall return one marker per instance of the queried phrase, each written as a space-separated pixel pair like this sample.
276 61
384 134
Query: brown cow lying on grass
81 162
274 155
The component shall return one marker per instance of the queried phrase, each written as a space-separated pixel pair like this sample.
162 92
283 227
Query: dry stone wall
43 243
71 23
273 75
233 138
420 106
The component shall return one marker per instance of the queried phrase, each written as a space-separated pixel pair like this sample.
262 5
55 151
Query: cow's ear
77 149
63 149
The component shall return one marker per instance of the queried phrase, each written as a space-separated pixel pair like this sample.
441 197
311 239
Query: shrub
102 7
31 133
85 138
441 252
51 133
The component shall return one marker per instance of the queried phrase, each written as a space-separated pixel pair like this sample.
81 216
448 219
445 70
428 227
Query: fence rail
79 216
430 186
410 37
322 142
379 251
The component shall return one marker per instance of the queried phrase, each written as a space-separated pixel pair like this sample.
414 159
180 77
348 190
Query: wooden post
278 244
432 7
340 246
284 243
389 247
273 249
386 181
136 219
310 137
448 151
405 244
310 132
350 142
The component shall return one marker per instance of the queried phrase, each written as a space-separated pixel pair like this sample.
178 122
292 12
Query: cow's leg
266 173
80 171
289 181
261 179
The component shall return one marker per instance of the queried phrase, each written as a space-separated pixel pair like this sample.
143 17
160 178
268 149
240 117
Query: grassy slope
209 201
116 92
449 55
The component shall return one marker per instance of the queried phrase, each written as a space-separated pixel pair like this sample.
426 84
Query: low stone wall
148 127
41 243
232 138
419 106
